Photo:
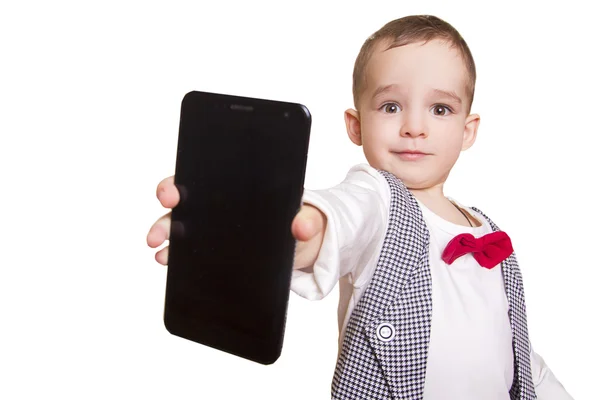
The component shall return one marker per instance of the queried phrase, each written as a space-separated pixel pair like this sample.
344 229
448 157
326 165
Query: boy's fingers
307 223
162 256
167 193
170 181
159 232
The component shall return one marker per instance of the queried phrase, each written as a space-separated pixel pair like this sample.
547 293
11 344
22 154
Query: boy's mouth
410 155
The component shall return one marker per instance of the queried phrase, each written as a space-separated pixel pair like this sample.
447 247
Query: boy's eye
391 108
441 110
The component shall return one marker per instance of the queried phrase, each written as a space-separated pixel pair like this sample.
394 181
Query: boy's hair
408 30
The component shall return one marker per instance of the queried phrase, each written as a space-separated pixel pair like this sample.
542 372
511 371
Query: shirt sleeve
547 387
356 212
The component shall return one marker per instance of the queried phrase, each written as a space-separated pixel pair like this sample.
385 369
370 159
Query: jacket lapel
400 297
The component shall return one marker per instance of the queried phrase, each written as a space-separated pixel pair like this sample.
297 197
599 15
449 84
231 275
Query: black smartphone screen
240 172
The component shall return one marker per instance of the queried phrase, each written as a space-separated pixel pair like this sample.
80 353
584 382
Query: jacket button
385 332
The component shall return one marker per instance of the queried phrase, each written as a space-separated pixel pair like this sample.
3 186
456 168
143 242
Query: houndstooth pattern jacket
384 352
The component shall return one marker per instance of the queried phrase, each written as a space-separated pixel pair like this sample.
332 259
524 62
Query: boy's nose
413 126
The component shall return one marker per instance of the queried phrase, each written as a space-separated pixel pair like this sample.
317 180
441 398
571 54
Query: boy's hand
308 227
168 195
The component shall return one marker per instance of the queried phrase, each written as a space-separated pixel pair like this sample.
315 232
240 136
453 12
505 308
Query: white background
89 114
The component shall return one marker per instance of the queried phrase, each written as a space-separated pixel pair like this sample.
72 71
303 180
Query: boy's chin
415 180
413 174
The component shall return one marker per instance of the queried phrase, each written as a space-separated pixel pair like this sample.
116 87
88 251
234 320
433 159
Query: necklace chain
465 215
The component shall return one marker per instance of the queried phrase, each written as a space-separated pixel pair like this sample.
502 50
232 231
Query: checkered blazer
384 352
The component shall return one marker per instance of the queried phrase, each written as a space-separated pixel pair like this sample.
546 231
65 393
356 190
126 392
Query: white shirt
470 325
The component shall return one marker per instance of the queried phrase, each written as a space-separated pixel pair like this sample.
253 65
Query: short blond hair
408 30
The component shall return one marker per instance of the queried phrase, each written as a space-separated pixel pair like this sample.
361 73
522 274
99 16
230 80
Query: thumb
308 223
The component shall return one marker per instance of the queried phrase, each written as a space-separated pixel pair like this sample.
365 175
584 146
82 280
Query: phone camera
286 114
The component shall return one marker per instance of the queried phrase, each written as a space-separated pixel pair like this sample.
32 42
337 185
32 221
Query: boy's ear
353 126
470 133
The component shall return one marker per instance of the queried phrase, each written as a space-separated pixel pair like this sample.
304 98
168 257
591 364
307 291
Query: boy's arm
356 213
338 230
547 387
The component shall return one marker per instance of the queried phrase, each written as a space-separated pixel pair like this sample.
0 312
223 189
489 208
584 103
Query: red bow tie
489 250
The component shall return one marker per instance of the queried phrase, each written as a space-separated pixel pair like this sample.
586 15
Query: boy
431 296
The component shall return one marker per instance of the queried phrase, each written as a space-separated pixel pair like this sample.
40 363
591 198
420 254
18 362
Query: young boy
431 296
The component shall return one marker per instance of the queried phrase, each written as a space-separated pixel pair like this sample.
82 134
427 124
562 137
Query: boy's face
415 100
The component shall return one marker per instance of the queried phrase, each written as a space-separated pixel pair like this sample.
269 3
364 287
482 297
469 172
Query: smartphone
240 171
